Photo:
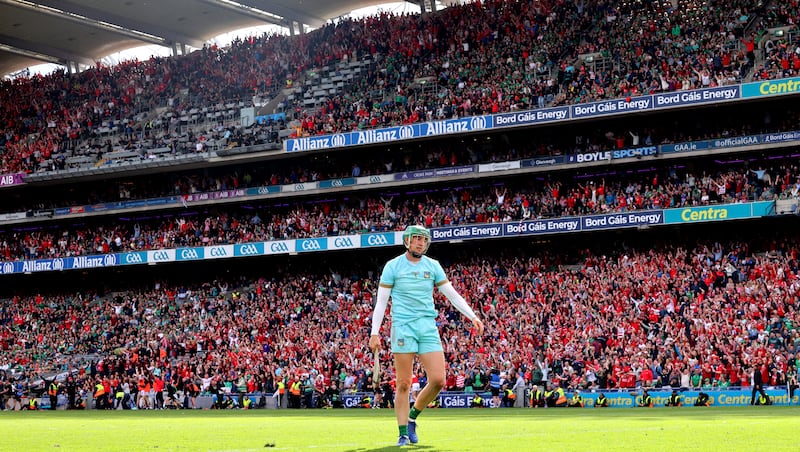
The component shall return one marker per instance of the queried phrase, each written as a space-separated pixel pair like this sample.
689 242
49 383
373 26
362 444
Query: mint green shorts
418 336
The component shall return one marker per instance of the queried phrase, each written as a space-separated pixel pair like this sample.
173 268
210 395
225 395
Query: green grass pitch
636 429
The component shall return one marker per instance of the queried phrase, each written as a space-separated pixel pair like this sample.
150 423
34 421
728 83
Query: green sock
403 430
414 413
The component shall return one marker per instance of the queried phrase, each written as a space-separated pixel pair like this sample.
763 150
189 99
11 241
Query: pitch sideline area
727 429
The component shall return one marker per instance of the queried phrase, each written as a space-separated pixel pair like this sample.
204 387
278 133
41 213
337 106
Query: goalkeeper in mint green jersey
410 279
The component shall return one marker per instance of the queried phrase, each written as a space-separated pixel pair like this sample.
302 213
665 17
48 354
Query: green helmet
416 230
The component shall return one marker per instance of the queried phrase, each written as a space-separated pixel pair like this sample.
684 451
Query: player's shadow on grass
392 449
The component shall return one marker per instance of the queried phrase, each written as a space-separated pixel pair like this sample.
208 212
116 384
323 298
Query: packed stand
781 53
67 115
652 47
704 315
657 47
60 116
438 154
520 200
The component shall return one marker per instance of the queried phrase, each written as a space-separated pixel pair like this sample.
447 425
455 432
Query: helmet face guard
416 231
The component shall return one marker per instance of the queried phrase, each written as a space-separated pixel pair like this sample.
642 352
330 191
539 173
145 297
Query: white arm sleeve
380 309
456 300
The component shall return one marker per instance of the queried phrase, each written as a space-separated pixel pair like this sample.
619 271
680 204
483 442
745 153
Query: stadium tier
623 216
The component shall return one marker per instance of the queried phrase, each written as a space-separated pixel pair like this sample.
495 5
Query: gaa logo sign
263 190
133 258
278 247
375 180
377 240
337 183
217 251
338 140
189 254
477 123
109 260
58 264
299 187
310 245
8 268
161 256
406 132
248 250
342 242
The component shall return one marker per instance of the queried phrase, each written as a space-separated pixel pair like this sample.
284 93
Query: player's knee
437 381
403 385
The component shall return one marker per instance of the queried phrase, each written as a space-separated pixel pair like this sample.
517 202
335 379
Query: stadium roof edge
81 32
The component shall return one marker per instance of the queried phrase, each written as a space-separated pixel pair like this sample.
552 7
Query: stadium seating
704 308
673 309
148 103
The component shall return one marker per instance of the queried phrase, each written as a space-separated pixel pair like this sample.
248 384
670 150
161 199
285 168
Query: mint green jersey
412 287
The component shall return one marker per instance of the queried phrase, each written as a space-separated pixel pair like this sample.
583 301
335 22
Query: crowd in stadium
437 155
528 199
650 47
702 314
782 56
706 316
555 195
